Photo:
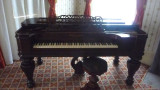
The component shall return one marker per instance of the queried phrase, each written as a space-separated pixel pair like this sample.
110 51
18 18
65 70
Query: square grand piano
78 35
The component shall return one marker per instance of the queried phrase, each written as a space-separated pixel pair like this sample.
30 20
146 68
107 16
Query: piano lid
67 20
76 23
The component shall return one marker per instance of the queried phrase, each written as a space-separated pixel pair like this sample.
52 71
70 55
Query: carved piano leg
39 61
132 65
27 67
77 66
116 60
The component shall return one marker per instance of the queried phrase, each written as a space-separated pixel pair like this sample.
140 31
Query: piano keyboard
75 45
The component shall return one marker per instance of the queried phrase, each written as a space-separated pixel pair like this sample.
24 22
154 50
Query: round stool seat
94 65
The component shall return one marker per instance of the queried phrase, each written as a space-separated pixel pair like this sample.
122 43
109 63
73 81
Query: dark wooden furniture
89 36
95 67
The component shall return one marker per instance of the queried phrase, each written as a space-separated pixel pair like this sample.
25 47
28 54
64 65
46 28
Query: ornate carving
75 19
74 22
78 19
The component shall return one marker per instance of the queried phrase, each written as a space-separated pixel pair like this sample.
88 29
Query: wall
151 25
70 7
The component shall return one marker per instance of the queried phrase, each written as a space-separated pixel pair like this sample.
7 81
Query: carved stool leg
39 61
92 84
133 66
77 66
116 60
27 67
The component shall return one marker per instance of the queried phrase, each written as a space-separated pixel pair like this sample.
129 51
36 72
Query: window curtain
87 11
140 12
12 13
52 11
5 38
2 62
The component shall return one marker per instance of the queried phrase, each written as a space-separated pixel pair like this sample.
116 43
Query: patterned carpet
56 74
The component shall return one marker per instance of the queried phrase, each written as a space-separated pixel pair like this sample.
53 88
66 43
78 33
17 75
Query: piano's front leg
28 66
133 65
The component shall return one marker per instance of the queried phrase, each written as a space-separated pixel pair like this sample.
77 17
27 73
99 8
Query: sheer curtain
13 12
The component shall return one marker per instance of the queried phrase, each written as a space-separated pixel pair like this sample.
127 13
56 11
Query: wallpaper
70 7
151 25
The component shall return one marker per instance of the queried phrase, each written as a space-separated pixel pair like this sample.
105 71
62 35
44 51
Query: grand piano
78 36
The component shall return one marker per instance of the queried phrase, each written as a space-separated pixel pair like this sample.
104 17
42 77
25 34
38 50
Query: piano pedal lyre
39 61
77 66
116 61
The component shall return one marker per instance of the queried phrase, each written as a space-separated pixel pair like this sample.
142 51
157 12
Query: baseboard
148 58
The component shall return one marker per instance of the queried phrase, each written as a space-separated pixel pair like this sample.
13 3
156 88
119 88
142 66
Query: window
115 10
